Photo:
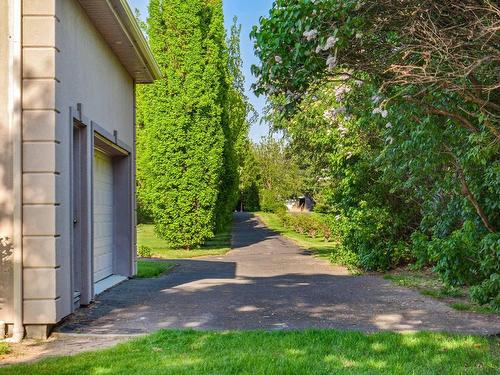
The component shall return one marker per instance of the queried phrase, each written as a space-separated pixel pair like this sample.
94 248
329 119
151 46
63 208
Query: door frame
92 135
80 198
123 194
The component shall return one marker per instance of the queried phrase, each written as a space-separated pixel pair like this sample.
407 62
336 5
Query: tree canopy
392 108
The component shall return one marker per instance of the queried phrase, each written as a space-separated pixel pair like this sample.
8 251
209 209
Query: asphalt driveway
267 282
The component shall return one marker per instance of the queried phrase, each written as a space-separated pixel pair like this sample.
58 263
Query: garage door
103 216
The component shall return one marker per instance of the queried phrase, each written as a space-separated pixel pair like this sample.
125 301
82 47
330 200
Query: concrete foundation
38 331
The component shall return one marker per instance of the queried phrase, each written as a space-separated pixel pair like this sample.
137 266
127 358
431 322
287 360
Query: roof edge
141 43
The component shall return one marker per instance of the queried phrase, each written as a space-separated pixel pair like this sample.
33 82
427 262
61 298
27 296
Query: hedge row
311 225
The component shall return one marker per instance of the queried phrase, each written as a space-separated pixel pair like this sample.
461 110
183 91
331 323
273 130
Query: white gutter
15 124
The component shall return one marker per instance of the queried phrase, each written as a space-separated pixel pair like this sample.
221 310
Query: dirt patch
59 344
428 284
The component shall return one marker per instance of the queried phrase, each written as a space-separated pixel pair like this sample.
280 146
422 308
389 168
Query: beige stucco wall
65 62
5 174
88 73
91 74
43 254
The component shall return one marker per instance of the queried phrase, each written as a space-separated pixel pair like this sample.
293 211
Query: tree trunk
466 191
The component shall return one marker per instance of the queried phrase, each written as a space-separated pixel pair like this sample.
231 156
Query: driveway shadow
206 300
267 282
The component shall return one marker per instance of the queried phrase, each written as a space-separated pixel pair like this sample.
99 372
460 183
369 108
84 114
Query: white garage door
103 216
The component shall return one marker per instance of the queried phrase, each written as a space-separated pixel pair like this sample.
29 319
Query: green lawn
282 352
149 269
318 246
219 245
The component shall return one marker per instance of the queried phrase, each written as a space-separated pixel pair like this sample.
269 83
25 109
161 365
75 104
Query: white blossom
331 114
390 140
376 99
331 62
319 48
343 130
271 89
388 125
358 83
330 43
359 35
349 155
341 91
278 59
311 34
381 111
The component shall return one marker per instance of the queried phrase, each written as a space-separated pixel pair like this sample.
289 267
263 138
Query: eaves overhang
118 26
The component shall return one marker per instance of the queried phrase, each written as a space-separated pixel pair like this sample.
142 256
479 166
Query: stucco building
68 70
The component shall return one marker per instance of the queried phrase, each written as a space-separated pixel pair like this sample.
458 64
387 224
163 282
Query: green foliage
345 257
144 251
143 215
488 292
218 245
489 258
249 175
249 197
399 145
279 176
190 123
311 225
269 170
4 348
149 270
455 256
236 133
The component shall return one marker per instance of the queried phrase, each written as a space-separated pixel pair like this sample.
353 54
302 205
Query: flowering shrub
395 120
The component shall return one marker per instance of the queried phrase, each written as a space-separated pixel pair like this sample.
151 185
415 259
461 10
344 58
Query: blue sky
248 13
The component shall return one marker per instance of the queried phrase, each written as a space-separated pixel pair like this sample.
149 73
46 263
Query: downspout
15 117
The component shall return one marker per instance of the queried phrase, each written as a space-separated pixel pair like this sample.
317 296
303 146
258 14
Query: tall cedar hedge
183 152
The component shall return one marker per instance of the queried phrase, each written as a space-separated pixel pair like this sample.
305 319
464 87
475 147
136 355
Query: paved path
267 282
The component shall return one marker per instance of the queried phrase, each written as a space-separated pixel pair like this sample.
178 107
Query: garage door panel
103 216
102 265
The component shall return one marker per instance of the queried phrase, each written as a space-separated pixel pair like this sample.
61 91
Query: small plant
341 255
488 292
4 348
144 251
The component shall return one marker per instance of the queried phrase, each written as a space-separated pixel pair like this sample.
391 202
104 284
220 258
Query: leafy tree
278 176
237 112
414 97
183 120
249 175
